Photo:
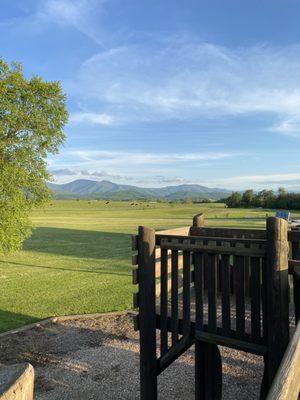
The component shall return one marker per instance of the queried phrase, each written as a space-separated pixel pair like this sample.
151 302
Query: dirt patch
97 358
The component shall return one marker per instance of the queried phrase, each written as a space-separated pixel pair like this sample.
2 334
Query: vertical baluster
226 319
164 302
186 292
212 292
255 298
198 265
174 297
239 272
264 295
247 276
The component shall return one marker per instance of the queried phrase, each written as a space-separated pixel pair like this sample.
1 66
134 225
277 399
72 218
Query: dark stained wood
247 276
264 296
134 259
212 292
199 285
208 371
174 297
163 238
134 242
135 276
296 276
239 271
296 281
225 287
277 294
294 236
212 247
255 298
147 315
186 292
231 342
174 352
135 300
228 233
164 302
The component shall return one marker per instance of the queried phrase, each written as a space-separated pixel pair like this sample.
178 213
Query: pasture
78 257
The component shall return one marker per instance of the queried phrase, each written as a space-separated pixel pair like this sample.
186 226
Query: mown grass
78 258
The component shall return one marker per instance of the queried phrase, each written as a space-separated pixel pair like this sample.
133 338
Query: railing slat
255 298
174 297
226 320
212 260
164 302
186 292
199 288
239 271
264 296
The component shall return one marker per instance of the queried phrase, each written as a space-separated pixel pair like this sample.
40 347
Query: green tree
234 200
248 198
32 117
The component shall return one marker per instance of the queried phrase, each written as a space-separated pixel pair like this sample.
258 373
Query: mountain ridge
85 188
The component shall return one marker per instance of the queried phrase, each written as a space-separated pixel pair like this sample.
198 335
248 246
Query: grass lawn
78 258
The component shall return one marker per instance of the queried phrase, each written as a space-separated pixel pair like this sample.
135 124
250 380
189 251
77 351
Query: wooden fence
210 287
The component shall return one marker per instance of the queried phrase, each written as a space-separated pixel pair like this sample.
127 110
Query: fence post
277 297
147 314
198 221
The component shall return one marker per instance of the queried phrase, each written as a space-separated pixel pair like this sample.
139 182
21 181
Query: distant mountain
84 188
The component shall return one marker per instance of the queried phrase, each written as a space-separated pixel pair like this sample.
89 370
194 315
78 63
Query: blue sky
168 92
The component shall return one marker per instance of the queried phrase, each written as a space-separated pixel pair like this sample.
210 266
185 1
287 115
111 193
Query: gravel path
97 358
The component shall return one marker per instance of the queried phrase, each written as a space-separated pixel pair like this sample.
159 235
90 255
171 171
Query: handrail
286 384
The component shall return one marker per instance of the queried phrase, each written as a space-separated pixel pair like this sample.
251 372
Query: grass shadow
79 243
10 320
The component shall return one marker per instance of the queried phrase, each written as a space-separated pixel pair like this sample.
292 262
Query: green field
78 258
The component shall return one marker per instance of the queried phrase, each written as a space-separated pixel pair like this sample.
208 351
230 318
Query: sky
168 92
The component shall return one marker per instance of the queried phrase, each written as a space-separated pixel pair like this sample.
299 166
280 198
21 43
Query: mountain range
88 189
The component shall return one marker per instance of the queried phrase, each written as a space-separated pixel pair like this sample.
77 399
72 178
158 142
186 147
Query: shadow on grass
10 320
79 243
93 270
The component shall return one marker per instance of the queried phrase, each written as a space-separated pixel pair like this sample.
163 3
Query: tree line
265 199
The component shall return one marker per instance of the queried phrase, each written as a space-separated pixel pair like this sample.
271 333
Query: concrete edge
61 318
17 382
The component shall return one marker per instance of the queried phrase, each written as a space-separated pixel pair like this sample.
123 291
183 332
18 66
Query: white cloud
90 118
272 181
186 79
79 14
75 173
288 126
135 158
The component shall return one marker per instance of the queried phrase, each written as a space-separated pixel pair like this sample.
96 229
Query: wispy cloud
68 172
138 82
80 15
272 181
90 118
133 158
289 126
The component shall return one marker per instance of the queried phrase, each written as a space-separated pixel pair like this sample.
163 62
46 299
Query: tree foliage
32 117
265 199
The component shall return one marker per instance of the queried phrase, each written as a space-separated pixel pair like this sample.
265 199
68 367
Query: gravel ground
97 358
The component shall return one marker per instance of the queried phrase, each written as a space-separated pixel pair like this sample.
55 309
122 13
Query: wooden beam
286 384
147 317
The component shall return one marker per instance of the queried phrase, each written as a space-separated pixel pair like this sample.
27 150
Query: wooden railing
210 287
